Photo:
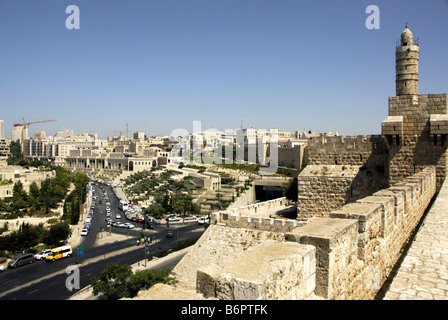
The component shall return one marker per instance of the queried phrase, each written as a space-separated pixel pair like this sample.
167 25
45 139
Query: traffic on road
107 215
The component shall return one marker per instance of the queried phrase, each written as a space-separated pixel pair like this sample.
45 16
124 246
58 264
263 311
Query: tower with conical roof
406 64
416 129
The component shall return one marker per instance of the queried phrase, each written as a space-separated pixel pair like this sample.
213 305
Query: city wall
341 170
347 255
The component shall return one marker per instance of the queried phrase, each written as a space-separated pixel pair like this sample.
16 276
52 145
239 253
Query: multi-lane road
43 280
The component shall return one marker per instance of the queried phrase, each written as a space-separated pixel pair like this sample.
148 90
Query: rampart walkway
423 274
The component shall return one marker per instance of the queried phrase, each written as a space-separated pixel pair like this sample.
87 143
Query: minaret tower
406 65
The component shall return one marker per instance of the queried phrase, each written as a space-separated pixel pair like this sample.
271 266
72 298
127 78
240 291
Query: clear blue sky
159 65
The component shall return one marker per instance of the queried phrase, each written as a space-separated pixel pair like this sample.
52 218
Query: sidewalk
423 274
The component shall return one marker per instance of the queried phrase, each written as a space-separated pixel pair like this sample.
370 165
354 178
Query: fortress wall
341 170
250 216
322 188
349 150
417 149
359 243
347 255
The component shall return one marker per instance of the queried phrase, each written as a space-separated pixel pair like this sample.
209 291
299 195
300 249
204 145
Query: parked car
190 217
128 225
41 255
173 218
84 232
203 220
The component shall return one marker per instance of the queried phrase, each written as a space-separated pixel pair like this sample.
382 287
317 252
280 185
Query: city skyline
156 66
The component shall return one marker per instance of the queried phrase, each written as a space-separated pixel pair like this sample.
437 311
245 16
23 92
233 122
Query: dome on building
407 38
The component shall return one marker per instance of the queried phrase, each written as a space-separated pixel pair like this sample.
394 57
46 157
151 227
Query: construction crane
24 124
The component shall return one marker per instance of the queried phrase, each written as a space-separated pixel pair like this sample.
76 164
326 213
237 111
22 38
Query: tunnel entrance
265 193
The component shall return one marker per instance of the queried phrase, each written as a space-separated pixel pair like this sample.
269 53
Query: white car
84 232
203 220
128 225
42 254
2 268
173 218
117 216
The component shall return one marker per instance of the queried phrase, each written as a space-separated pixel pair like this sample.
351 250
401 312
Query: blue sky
159 65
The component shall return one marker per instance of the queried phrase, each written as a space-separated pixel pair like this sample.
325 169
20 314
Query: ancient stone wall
359 244
369 151
341 170
347 255
417 147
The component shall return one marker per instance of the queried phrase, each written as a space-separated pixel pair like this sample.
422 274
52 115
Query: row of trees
166 201
28 236
40 200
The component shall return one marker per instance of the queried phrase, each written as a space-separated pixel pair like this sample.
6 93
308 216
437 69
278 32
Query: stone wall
384 221
322 188
291 157
417 147
347 255
341 170
350 150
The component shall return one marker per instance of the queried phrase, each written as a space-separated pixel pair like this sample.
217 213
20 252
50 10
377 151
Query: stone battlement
249 217
348 150
345 142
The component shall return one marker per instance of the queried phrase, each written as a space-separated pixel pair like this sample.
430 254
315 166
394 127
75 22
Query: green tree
56 234
145 279
117 281
155 210
15 149
19 197
25 237
33 196
112 283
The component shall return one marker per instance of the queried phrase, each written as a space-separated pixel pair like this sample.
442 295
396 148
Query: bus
123 205
59 253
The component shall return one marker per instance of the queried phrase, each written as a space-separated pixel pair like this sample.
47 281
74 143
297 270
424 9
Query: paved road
46 280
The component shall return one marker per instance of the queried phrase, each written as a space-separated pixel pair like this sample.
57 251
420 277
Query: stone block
272 270
335 241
